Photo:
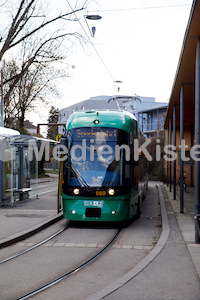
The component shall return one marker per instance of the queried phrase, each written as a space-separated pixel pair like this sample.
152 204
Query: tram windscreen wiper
80 178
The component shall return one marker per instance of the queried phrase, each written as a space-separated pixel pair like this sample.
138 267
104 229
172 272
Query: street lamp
93 18
118 82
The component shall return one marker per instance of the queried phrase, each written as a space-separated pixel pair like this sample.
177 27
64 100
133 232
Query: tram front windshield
94 158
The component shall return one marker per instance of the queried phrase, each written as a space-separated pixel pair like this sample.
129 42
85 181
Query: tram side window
134 169
125 170
142 167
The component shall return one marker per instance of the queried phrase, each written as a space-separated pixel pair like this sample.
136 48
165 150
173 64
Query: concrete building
32 129
183 116
151 120
102 102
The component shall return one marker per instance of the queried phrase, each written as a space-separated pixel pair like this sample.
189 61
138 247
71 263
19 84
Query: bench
23 193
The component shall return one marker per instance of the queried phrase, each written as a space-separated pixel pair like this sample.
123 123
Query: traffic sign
58 137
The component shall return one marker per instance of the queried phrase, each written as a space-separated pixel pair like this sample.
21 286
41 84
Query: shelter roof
185 73
8 132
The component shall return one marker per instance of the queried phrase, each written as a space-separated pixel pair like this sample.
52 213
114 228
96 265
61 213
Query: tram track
50 270
35 246
73 271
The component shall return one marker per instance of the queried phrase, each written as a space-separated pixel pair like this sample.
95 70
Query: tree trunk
21 119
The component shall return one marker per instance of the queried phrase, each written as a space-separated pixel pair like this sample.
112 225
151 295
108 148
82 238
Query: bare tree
9 68
34 86
28 76
22 25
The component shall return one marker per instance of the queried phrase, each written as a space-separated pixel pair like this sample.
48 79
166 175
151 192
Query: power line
113 80
147 7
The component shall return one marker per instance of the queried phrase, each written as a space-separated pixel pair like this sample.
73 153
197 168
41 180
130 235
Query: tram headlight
111 192
76 191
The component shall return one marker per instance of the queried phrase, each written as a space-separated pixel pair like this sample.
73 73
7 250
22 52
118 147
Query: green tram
99 175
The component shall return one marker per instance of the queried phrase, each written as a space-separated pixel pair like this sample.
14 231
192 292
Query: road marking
90 245
54 190
80 245
70 244
58 244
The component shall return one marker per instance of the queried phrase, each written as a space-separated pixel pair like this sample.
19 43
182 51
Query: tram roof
107 118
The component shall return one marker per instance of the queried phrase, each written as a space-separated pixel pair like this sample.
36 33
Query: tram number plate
93 203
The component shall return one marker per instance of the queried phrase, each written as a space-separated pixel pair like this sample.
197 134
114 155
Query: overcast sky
137 42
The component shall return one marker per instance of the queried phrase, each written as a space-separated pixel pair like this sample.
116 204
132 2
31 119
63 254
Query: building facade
135 104
151 121
182 123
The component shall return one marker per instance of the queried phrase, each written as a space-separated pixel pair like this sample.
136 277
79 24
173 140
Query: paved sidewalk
186 222
174 271
31 215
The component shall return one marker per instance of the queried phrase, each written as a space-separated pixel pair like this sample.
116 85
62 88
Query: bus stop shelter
18 175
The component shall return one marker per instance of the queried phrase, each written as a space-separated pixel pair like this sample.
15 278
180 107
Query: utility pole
2 100
1 125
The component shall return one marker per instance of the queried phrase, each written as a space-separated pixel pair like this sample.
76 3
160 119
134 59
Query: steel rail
72 272
35 246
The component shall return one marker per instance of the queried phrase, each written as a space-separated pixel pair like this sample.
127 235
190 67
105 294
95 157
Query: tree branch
13 28
28 63
8 43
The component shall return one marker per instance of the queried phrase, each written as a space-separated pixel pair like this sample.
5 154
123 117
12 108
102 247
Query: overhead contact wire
97 53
